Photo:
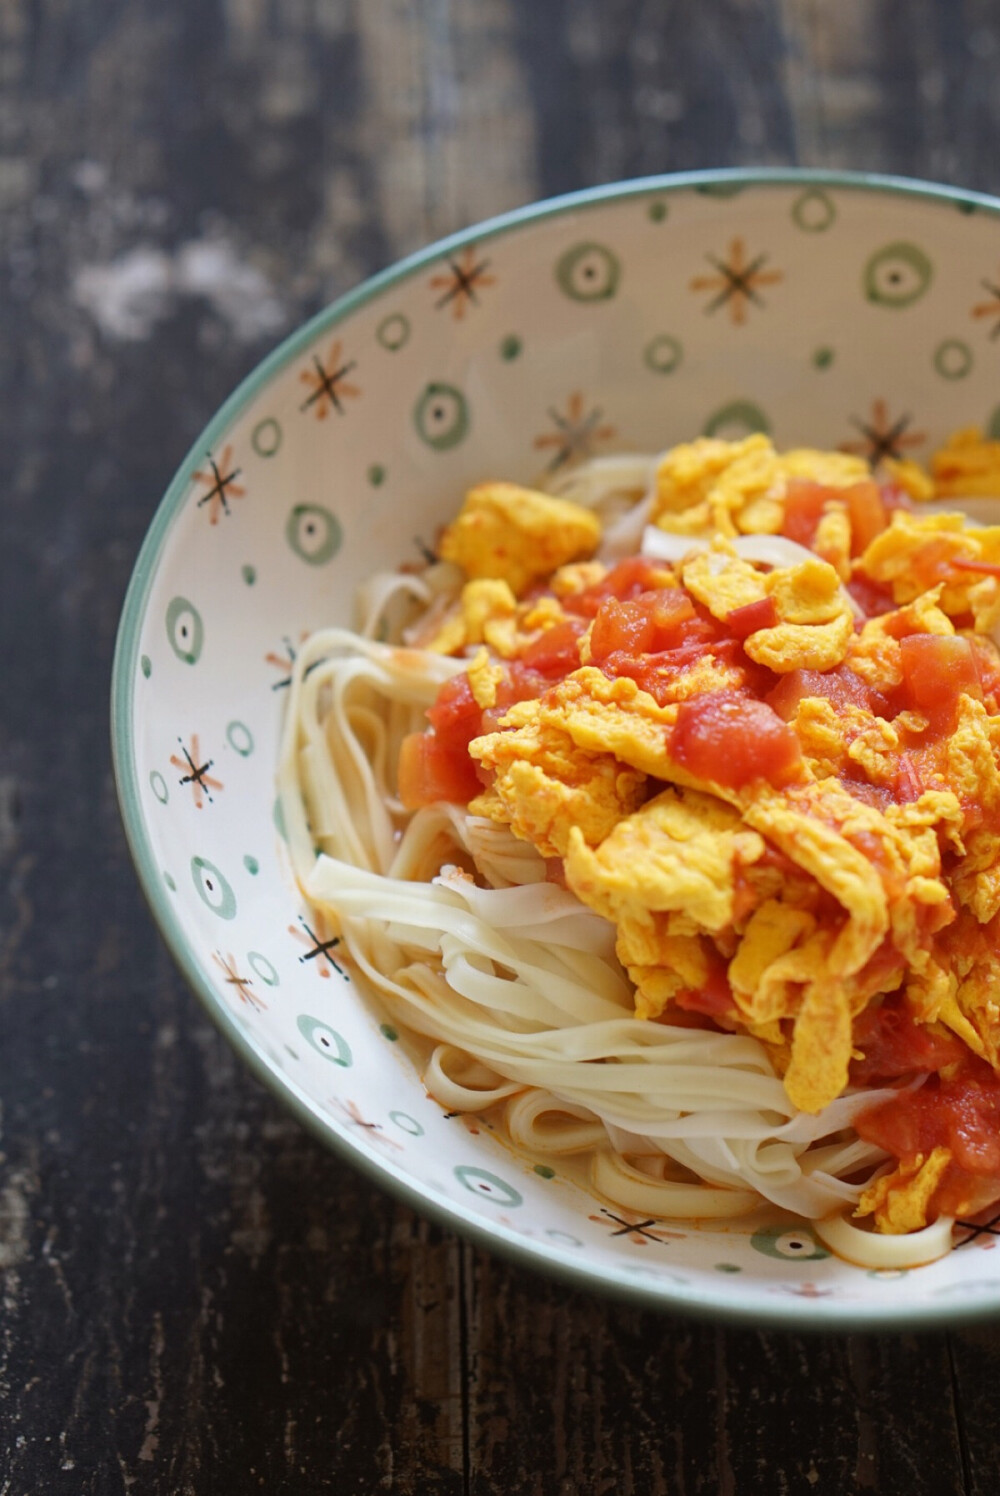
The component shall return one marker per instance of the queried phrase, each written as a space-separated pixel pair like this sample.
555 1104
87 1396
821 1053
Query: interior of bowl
836 312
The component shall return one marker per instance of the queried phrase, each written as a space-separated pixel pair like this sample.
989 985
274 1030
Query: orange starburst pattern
459 284
320 943
195 771
232 978
577 432
328 383
220 484
990 308
635 1228
284 662
736 282
351 1111
882 435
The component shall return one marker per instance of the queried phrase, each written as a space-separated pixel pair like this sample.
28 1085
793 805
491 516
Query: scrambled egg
875 869
814 620
713 487
517 535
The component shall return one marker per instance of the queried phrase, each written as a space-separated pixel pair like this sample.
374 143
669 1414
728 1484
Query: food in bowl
661 810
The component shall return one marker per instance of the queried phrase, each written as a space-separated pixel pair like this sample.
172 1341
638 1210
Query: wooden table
197 1297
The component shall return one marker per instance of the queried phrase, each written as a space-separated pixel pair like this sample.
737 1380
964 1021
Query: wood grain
197 1298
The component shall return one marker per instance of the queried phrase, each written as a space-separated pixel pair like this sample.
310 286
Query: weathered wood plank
197 1298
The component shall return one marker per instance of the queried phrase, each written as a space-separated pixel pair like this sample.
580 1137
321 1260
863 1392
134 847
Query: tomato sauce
958 1110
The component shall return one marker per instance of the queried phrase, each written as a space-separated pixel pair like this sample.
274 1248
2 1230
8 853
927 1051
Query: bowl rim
690 1299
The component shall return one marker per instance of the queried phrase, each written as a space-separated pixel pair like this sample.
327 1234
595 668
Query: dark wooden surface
196 1297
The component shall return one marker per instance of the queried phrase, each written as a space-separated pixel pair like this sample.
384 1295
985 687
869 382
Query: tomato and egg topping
779 781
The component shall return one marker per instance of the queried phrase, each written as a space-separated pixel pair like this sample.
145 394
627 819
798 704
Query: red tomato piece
938 668
620 626
961 1113
625 580
455 716
731 740
647 624
867 513
871 597
556 652
841 686
742 622
431 770
894 1044
805 502
909 785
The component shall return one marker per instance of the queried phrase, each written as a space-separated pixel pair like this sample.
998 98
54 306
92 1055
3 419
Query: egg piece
909 476
900 1201
967 464
713 487
544 787
680 851
517 535
918 552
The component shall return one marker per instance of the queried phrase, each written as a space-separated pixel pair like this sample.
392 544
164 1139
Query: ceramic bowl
827 310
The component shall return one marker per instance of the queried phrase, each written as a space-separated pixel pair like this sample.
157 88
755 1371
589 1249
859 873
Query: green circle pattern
663 354
266 437
376 475
814 211
406 1123
738 418
239 738
393 332
953 359
158 785
823 358
265 969
510 348
185 630
897 276
788 1243
325 1040
212 888
488 1186
588 272
441 417
146 666
313 533
249 574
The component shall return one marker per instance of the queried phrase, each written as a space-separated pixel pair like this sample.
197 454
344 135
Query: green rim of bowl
692 1299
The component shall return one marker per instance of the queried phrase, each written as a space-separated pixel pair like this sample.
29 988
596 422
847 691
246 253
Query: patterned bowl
857 312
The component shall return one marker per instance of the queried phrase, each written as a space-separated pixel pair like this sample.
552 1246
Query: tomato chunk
732 740
646 624
556 652
894 1044
938 668
961 1113
841 686
431 770
805 502
867 513
455 715
625 580
742 622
